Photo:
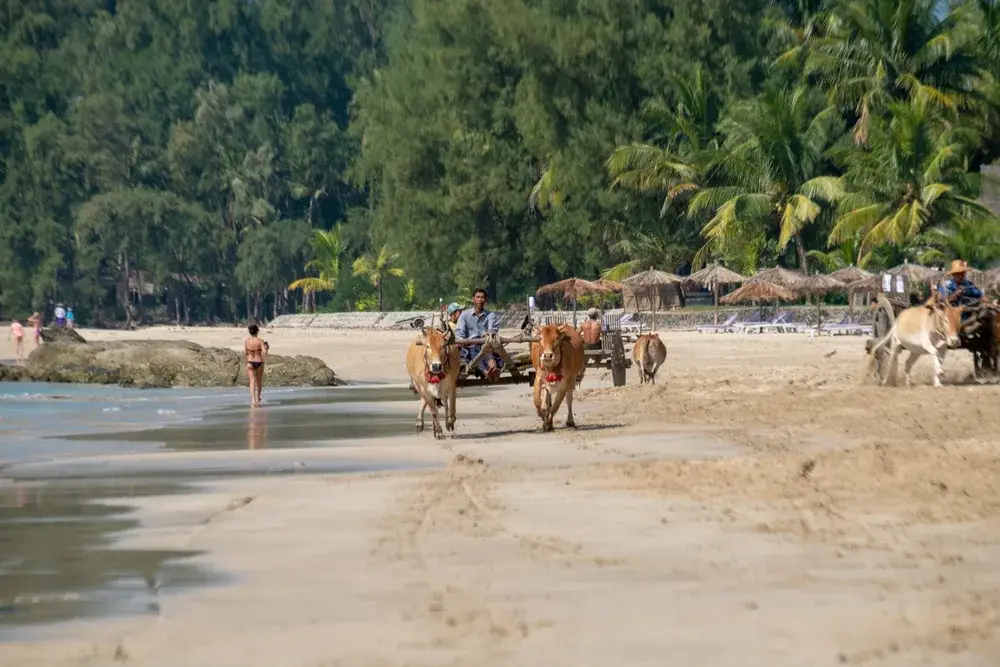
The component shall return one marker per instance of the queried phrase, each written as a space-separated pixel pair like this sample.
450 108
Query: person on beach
591 330
17 333
35 321
60 314
70 318
256 350
454 312
477 323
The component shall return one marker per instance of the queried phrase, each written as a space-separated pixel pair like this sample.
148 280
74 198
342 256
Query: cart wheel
884 319
617 360
417 323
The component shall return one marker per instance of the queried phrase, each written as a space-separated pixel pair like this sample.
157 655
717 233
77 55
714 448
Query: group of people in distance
63 318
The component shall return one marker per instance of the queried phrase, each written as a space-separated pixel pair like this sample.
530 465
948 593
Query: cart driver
477 322
591 330
958 289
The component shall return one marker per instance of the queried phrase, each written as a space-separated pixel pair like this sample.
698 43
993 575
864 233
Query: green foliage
205 149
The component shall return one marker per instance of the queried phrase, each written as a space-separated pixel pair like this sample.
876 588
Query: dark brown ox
930 328
433 365
558 359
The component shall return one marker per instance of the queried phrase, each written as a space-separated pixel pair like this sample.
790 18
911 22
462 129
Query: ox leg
652 373
642 373
436 419
450 413
570 423
420 414
890 373
938 359
910 360
538 396
556 402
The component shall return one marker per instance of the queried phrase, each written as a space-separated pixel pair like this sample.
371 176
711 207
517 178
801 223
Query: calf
649 353
558 360
931 329
433 364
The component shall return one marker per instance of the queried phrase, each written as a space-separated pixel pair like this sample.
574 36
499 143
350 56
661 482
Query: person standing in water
256 350
17 332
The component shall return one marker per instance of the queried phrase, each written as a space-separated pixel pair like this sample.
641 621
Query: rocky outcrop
161 363
61 335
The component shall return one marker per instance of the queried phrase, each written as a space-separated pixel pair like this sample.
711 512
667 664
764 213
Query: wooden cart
611 355
977 333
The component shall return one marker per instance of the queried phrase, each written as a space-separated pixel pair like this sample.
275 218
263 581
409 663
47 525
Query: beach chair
716 328
782 323
631 326
759 326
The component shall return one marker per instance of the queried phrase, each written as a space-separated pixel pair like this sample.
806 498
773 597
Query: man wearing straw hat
958 288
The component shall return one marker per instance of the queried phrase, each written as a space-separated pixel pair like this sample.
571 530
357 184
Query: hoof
570 423
547 426
419 426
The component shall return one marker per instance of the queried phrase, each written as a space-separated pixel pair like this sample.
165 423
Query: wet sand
762 505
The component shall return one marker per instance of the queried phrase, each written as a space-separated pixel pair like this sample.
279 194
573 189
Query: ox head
435 343
550 340
946 318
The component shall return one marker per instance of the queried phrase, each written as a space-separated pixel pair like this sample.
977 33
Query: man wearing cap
957 288
591 330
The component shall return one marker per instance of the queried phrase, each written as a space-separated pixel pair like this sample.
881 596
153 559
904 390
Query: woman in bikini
17 331
36 325
256 350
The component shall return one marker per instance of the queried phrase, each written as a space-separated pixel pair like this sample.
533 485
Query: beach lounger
778 323
716 328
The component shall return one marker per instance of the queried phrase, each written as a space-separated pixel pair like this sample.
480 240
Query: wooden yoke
493 343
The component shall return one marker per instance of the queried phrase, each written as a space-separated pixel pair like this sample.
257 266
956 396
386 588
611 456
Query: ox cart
517 368
976 334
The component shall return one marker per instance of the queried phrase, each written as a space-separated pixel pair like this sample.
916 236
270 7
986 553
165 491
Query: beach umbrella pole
715 295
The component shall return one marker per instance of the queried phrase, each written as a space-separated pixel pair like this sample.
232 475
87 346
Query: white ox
930 328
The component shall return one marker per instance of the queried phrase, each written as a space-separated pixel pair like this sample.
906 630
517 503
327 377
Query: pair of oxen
557 355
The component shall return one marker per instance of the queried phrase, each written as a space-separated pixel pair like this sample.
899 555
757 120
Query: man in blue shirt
477 322
957 288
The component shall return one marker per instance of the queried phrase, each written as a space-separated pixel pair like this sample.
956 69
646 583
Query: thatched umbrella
651 281
869 285
850 275
777 276
819 285
914 273
753 292
711 277
615 287
572 288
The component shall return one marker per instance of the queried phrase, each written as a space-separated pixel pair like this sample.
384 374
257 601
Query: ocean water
66 479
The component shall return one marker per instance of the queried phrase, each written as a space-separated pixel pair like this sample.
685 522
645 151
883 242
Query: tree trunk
800 249
177 310
379 288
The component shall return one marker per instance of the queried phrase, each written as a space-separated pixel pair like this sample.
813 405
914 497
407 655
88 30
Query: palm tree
767 177
879 51
658 248
326 247
974 240
664 165
376 268
913 176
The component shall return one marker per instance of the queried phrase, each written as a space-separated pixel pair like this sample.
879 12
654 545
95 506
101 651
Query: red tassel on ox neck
553 377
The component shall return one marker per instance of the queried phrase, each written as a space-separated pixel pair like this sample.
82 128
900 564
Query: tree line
243 158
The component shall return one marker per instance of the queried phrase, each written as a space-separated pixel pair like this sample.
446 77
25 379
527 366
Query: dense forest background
193 160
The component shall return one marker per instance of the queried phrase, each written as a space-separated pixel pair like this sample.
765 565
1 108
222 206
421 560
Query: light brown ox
930 328
649 353
558 360
433 365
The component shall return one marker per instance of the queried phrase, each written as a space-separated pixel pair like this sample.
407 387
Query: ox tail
875 348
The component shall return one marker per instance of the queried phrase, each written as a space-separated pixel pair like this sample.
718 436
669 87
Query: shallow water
65 484
58 561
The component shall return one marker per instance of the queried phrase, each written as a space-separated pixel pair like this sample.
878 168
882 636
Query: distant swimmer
256 351
17 332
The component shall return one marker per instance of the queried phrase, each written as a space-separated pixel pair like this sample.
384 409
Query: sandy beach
763 504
